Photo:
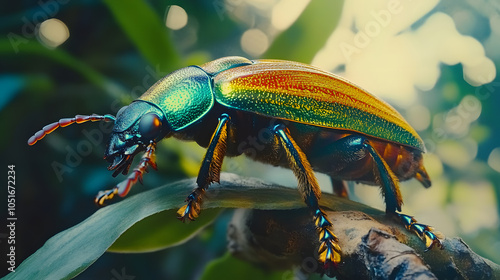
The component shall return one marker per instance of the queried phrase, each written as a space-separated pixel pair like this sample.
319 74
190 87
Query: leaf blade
310 29
228 265
149 34
68 253
160 231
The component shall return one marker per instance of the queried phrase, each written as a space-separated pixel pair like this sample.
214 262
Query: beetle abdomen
305 94
323 153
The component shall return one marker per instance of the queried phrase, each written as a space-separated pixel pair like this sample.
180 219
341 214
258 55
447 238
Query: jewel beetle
318 122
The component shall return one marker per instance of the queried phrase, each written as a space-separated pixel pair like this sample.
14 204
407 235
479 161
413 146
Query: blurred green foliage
118 49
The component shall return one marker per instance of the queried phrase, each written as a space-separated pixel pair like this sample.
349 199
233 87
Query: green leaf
68 253
309 33
160 231
147 31
228 267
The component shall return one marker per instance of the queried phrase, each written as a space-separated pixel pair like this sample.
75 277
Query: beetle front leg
122 189
329 249
209 171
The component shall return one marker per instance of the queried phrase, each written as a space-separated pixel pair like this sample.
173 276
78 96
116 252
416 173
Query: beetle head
136 126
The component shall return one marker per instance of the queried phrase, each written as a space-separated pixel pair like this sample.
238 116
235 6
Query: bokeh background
435 61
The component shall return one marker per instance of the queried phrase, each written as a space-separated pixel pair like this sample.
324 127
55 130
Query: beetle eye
149 126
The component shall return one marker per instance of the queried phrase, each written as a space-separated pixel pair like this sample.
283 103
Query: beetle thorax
185 96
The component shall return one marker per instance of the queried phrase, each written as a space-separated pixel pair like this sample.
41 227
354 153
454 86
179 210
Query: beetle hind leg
209 171
346 152
385 176
351 148
329 249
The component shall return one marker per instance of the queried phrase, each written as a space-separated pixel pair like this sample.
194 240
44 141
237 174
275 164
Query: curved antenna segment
67 121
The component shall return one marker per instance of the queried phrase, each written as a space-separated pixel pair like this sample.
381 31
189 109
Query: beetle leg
352 148
386 178
209 170
122 189
390 185
339 187
329 249
346 149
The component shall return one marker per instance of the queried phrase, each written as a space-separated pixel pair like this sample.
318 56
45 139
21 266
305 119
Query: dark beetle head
136 126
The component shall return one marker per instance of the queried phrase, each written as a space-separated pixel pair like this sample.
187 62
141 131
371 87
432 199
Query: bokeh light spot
419 117
53 33
254 42
177 18
494 159
457 154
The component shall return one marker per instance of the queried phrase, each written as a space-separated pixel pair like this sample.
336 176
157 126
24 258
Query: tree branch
373 245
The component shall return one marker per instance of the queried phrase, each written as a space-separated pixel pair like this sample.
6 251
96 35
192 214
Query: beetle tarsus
329 250
426 233
192 209
102 196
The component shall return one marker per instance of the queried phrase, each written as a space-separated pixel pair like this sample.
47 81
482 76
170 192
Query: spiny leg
209 170
124 187
425 232
329 250
352 148
389 182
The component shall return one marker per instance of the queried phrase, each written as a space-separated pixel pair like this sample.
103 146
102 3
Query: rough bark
374 246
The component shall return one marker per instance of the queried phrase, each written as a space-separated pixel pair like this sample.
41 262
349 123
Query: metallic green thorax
185 96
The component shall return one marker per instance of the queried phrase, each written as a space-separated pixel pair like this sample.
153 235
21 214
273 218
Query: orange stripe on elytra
325 89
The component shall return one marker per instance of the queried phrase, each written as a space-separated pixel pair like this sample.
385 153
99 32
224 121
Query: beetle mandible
319 122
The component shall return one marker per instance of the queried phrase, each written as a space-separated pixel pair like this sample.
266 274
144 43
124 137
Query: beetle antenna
67 121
